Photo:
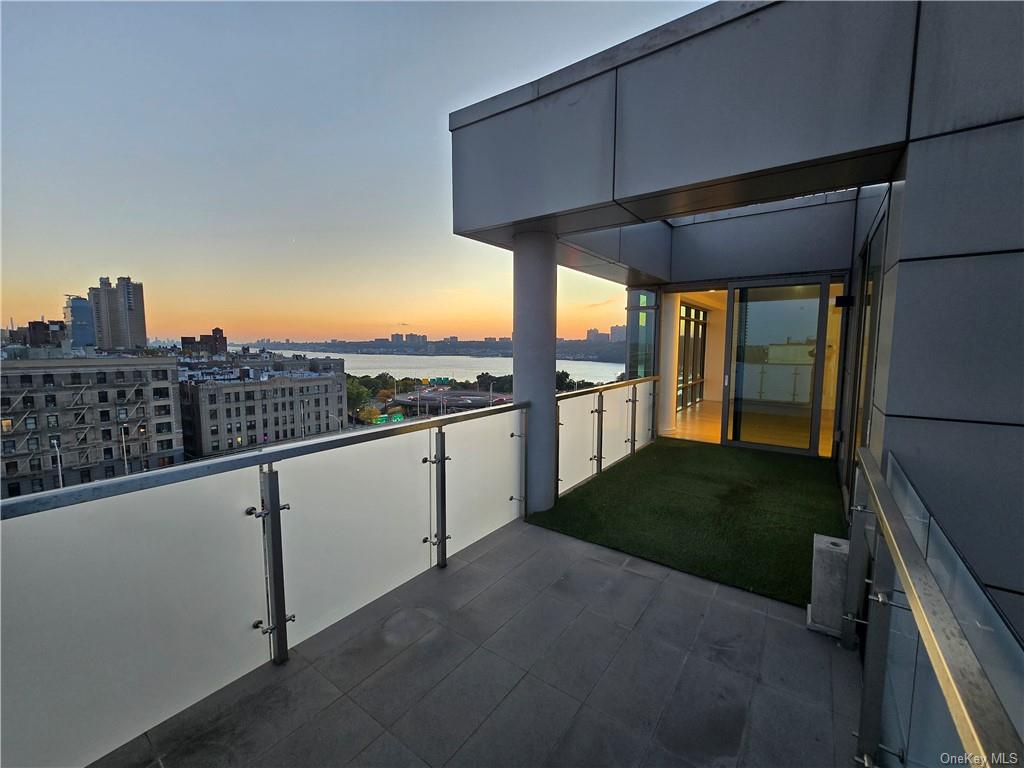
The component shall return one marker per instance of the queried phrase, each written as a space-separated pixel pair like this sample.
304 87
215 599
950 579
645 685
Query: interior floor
702 423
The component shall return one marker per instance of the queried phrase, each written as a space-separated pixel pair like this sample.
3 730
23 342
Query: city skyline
238 156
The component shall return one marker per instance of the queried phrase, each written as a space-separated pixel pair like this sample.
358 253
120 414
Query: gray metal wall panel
883 348
965 193
956 342
810 239
648 248
553 154
602 242
969 477
869 203
791 83
970 66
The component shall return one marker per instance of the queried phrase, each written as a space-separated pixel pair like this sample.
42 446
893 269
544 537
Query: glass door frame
822 279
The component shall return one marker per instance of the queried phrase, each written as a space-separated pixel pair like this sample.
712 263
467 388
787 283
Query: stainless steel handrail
605 387
981 721
102 489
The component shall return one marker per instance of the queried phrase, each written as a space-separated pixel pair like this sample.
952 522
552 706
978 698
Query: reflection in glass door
690 376
775 365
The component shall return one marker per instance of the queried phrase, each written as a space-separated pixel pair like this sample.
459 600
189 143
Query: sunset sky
279 170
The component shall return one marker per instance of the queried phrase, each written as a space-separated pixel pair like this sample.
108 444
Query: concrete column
668 361
533 360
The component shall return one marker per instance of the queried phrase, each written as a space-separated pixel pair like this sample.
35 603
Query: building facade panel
788 84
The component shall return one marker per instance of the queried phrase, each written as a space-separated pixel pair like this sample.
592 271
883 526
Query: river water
461 367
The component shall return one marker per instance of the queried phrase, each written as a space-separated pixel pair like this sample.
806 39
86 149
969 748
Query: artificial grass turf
739 516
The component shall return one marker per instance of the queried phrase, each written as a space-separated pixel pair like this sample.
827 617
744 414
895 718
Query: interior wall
668 360
714 351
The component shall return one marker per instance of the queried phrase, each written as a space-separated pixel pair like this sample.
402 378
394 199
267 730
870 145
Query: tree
563 381
368 414
384 394
358 395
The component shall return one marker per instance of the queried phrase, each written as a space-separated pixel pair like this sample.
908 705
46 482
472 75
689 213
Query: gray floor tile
256 723
440 722
742 597
577 659
674 615
441 591
137 753
365 653
786 730
544 567
704 720
392 689
522 731
638 682
187 723
484 615
504 558
494 539
606 555
692 583
732 636
794 614
595 740
659 757
528 635
797 660
622 595
647 568
340 632
332 738
846 682
387 752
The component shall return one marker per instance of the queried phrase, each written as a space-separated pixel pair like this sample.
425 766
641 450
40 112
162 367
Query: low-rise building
229 415
71 421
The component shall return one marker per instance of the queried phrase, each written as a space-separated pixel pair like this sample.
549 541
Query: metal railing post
599 453
869 731
441 536
270 518
632 421
654 409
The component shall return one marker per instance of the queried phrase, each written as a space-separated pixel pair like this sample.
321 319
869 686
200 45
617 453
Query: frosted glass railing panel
120 612
644 412
484 479
932 731
576 434
616 426
355 528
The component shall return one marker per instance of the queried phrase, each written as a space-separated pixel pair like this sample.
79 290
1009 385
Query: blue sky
278 169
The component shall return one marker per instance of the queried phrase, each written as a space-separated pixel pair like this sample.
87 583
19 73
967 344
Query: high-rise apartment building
80 322
119 314
617 333
220 416
71 421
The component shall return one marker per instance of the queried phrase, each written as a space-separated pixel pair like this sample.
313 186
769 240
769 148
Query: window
53 421
101 377
26 379
140 395
35 464
159 374
165 445
162 410
212 398
108 471
106 434
230 430
238 396
238 426
118 376
161 393
250 410
76 378
122 413
164 427
7 424
250 395
5 402
31 423
11 467
104 396
214 414
108 453
33 443
215 429
121 395
10 446
50 401
252 440
14 489
85 475
29 401
37 485
105 416
136 375
215 445
47 379
250 425
166 461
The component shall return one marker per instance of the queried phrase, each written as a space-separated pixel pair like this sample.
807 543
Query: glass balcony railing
944 670
128 600
600 426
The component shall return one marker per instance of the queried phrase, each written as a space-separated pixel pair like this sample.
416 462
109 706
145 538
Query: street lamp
55 444
124 447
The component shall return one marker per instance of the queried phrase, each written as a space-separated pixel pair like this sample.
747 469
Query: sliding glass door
773 378
690 375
